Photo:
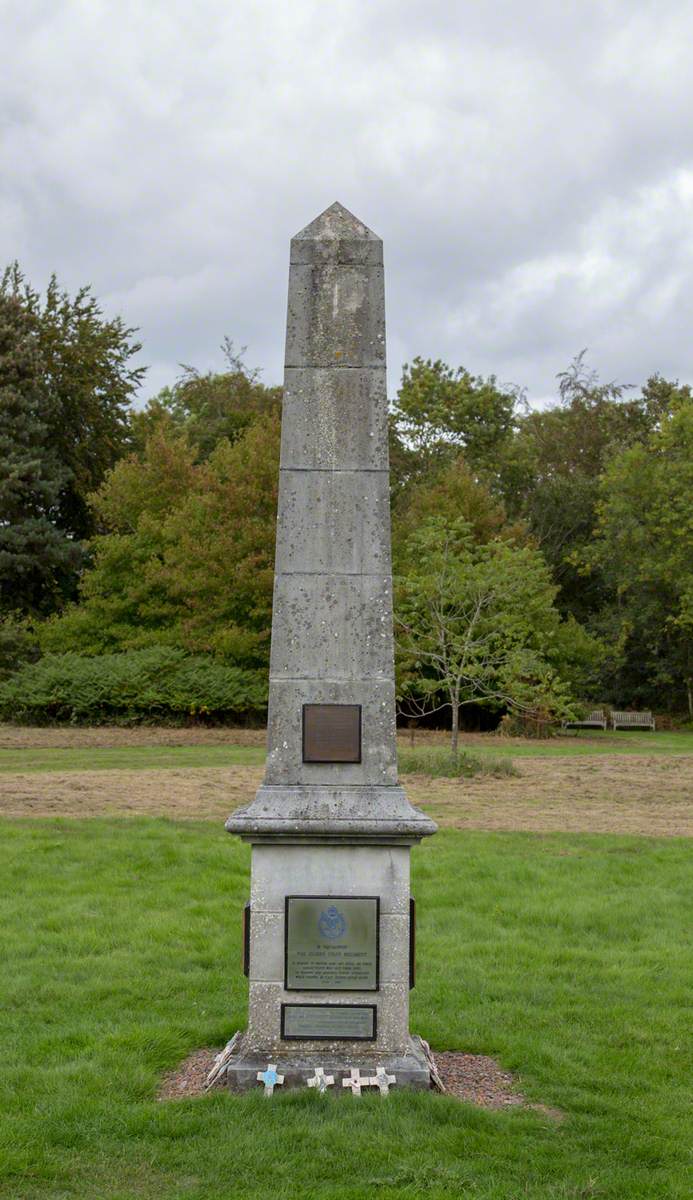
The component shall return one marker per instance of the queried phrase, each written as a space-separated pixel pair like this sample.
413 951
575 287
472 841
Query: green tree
644 549
477 625
219 563
441 409
37 559
123 601
210 407
660 398
452 491
18 644
188 557
551 471
89 381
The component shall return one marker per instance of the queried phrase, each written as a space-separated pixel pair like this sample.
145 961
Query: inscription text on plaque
332 943
329 1022
332 733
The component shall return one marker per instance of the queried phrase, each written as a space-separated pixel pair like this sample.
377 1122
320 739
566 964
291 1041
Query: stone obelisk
330 933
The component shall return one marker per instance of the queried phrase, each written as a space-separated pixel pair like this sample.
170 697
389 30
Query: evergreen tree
89 383
37 560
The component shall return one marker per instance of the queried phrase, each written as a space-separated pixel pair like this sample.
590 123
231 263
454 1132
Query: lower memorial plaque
332 943
329 1022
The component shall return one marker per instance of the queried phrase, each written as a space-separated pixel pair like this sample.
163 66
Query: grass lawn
593 742
145 758
129 758
566 957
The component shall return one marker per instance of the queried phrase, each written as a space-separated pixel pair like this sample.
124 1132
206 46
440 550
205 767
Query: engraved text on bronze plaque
332 733
332 943
329 1022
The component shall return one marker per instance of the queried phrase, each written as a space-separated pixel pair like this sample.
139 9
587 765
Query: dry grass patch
108 737
192 793
627 794
614 794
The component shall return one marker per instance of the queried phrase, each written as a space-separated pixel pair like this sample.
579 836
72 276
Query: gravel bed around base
474 1078
189 1078
477 1079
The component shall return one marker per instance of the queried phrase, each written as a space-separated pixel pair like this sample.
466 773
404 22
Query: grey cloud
529 167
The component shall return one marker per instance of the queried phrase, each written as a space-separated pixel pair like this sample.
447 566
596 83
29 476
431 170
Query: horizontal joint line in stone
337 574
345 681
338 470
323 366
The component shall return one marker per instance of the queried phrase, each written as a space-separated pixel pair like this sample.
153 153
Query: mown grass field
226 752
593 742
129 758
567 957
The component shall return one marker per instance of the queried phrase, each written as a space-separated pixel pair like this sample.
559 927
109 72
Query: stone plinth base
412 1069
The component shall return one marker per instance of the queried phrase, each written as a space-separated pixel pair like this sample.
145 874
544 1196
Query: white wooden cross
270 1078
320 1081
355 1080
382 1080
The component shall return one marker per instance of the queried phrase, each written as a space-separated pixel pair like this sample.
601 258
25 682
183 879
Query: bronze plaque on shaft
332 733
332 944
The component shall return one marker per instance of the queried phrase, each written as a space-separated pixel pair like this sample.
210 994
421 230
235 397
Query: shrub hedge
161 683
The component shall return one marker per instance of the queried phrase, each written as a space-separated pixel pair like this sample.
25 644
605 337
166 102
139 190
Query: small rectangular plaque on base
329 1022
332 944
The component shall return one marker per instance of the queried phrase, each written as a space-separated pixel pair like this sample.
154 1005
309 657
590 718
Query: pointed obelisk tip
336 223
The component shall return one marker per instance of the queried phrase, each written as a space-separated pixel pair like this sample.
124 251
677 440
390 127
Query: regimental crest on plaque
332 943
332 923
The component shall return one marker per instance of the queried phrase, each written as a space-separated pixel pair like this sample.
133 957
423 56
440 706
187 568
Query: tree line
543 559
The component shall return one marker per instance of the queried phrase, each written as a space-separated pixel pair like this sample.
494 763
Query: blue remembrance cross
270 1078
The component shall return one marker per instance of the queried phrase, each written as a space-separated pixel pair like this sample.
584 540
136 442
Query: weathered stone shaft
332 614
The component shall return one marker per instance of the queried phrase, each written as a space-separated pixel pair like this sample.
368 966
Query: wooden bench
632 720
594 720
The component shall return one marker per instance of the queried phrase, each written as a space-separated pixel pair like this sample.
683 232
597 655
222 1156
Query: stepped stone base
328 814
412 1070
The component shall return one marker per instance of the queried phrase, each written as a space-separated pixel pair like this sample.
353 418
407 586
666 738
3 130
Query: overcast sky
529 166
